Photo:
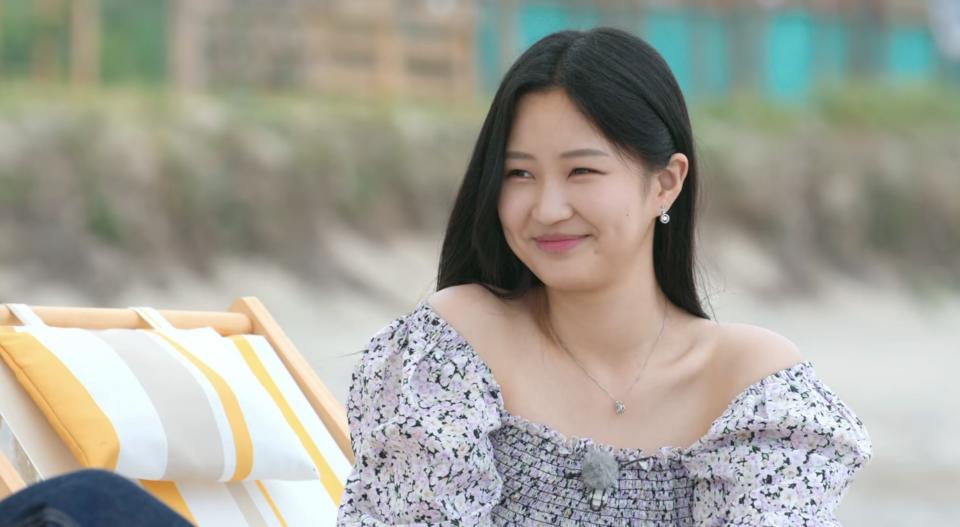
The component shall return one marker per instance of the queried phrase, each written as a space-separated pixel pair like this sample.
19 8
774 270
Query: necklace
618 405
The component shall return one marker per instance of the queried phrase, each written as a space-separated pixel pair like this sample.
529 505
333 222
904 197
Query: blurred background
182 153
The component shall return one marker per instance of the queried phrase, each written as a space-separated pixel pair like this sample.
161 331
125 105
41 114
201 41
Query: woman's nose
552 204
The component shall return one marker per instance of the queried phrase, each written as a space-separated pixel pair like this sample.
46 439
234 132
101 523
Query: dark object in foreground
86 498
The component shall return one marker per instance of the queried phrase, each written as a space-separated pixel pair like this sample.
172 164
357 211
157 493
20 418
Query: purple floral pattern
435 445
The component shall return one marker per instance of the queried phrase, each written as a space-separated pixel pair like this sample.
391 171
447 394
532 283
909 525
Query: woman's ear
670 179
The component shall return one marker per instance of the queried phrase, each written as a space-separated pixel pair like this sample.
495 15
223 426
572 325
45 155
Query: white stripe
266 511
211 504
26 315
216 405
301 407
276 446
153 317
105 375
299 504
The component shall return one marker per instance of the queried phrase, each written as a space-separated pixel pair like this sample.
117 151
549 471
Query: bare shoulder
467 300
746 353
475 312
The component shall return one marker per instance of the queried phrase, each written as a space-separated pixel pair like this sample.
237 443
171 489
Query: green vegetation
860 177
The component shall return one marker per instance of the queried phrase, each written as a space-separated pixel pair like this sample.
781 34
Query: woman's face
564 181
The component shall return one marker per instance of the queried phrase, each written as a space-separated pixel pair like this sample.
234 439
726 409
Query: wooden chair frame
247 315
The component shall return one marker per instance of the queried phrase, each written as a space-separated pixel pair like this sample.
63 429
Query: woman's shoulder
418 377
421 356
743 354
785 450
492 325
442 318
775 392
420 410
472 308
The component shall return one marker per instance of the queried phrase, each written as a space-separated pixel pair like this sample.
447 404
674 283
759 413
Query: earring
664 217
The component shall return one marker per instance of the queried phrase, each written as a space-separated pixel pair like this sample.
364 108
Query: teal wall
788 61
537 19
670 33
911 53
783 55
489 45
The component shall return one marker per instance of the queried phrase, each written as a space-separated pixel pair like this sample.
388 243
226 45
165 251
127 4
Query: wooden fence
453 49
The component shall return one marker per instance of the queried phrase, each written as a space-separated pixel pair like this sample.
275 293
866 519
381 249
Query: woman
565 372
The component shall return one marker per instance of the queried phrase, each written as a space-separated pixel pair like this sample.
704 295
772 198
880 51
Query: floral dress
435 445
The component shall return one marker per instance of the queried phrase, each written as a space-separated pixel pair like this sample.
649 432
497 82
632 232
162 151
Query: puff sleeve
784 455
419 412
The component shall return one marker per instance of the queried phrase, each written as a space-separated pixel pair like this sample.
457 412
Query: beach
892 358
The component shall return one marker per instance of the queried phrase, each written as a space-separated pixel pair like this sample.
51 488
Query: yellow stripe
276 511
327 477
67 405
166 491
238 425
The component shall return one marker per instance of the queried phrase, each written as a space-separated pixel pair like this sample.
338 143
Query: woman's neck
610 328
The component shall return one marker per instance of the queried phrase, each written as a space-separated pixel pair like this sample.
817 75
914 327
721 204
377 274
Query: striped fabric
248 503
268 502
183 405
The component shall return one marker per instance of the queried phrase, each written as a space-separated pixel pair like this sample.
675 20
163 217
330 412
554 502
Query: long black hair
626 89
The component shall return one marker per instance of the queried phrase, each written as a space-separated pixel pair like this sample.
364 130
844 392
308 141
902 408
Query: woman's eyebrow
580 152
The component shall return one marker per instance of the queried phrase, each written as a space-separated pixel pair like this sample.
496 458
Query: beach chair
32 440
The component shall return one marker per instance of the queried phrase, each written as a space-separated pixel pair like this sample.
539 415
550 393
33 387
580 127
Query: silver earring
664 217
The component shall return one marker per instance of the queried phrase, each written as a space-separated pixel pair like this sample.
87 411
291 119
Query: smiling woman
512 397
552 201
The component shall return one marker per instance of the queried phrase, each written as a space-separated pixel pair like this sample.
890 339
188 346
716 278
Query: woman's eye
580 170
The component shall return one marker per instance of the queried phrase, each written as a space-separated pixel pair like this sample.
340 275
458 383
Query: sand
892 359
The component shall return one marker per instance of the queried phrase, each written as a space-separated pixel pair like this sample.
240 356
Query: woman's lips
558 245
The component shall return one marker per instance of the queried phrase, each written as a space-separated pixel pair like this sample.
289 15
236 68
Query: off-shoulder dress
435 445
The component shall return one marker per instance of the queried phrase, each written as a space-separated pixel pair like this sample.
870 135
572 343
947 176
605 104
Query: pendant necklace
618 405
